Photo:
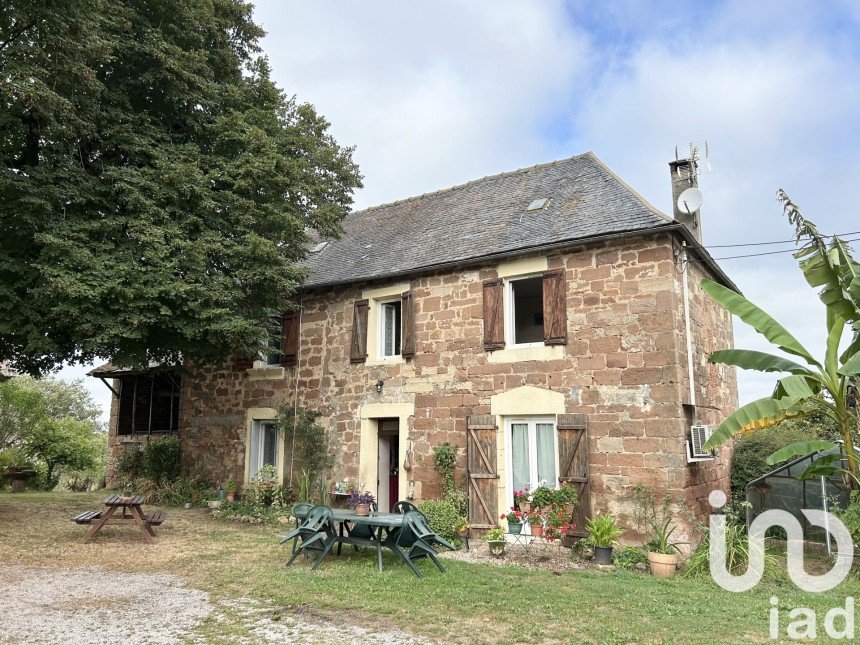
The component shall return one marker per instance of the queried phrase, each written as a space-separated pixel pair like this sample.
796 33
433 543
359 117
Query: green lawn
469 603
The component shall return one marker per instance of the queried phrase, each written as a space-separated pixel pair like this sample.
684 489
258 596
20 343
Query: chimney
684 174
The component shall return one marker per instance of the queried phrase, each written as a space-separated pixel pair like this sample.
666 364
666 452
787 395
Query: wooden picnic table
132 513
376 523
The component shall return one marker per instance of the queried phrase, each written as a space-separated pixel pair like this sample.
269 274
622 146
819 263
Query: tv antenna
695 151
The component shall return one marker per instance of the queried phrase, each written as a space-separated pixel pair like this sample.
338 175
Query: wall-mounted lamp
379 385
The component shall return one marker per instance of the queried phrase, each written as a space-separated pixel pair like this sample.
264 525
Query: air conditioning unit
698 436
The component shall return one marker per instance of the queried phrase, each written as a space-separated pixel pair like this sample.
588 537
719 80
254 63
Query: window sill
538 352
266 372
388 360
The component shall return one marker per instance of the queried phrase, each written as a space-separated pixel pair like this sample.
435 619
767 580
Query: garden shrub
129 463
443 516
751 450
628 557
162 460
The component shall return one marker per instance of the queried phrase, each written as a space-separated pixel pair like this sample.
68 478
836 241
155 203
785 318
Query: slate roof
486 217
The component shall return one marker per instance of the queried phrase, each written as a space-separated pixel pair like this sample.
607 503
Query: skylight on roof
319 247
538 204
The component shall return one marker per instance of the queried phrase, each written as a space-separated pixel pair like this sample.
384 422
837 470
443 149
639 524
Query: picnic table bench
132 513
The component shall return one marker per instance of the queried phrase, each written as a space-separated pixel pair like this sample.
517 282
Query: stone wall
624 366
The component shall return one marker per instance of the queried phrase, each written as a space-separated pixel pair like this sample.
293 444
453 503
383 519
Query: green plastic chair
415 540
301 508
404 507
316 533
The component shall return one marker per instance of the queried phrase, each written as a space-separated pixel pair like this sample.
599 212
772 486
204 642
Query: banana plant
828 385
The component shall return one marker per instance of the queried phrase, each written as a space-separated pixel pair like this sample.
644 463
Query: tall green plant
307 443
817 385
445 461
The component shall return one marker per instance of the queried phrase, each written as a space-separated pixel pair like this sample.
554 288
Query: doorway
388 461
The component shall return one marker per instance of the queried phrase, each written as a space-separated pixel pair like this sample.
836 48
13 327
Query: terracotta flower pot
663 565
525 507
362 509
231 497
537 530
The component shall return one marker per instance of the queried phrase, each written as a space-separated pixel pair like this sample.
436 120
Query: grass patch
470 603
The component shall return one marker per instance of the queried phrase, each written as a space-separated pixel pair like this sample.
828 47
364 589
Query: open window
390 328
149 403
525 311
273 354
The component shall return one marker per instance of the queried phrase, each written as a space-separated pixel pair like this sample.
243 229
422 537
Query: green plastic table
375 522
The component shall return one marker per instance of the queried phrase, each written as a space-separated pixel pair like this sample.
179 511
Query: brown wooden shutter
290 338
573 463
407 314
358 349
494 314
483 472
554 308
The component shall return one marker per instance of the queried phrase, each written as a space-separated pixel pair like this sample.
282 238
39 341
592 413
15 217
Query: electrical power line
727 246
754 255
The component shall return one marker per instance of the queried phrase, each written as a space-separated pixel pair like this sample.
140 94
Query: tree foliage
158 190
51 425
819 386
751 451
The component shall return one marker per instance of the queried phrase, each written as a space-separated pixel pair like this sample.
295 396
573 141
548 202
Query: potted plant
536 523
514 517
361 502
655 520
662 552
543 497
521 500
496 539
461 526
601 536
231 491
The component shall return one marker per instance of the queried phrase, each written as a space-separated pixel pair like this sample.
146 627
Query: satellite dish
690 201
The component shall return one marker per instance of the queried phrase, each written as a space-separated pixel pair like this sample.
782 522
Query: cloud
431 94
775 115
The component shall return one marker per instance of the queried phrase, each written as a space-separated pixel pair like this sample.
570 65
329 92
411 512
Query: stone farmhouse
548 321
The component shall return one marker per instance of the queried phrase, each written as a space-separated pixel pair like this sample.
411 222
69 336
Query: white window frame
380 330
259 425
509 444
510 327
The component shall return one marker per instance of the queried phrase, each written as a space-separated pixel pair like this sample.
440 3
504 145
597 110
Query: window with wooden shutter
554 308
572 434
290 338
494 314
407 313
358 348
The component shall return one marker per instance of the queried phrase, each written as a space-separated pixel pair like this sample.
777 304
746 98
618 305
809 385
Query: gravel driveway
87 605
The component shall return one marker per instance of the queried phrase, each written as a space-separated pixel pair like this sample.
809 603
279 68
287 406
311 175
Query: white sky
439 93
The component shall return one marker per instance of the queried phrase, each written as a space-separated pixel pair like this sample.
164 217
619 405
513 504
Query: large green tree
158 191
826 386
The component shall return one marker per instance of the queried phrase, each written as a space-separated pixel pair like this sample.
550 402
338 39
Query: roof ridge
472 182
